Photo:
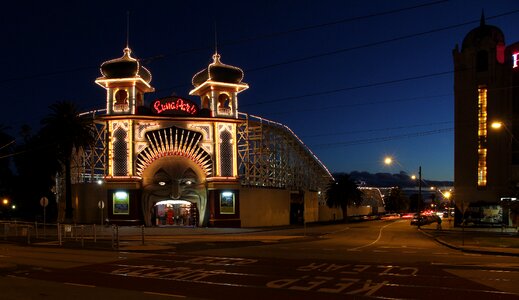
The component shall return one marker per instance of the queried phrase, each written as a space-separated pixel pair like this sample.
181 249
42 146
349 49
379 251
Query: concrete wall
264 207
359 211
329 214
85 197
311 207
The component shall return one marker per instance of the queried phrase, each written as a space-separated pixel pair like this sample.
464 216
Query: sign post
44 202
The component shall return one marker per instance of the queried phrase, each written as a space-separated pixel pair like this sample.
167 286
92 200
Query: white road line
78 284
375 241
166 295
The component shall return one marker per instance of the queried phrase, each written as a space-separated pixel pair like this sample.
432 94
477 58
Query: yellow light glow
496 125
447 195
5 201
413 177
388 160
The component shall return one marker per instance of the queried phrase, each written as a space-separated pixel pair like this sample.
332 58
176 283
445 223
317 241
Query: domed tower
481 156
125 81
218 86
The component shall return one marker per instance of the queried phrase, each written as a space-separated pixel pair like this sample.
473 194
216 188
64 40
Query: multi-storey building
486 111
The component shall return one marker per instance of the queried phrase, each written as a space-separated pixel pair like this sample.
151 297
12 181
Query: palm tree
69 132
343 192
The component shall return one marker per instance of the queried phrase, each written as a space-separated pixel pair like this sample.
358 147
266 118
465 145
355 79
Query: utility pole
419 193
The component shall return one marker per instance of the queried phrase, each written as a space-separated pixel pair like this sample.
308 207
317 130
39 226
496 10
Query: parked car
424 220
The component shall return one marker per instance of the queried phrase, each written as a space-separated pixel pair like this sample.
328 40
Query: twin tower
126 81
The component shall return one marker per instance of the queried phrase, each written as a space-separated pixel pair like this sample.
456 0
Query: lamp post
497 125
388 161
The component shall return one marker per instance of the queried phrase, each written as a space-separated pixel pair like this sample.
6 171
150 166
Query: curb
469 250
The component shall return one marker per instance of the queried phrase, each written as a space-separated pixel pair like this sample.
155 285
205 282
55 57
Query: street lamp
388 161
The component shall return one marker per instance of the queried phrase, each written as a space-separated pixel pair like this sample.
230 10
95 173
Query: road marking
164 294
375 241
78 284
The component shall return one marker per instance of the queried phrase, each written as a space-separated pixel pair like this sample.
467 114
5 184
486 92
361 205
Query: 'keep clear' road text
340 278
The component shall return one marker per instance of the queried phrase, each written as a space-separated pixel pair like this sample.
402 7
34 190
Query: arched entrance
174 167
175 213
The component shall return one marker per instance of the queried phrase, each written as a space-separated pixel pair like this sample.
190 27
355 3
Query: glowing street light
496 125
388 161
5 201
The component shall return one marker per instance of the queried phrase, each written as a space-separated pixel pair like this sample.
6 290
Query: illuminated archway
174 141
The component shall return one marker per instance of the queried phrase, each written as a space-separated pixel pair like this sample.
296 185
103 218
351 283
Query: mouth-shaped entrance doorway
175 213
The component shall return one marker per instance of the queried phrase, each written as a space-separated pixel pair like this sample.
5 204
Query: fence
59 234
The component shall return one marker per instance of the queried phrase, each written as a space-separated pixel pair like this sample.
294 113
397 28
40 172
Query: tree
6 149
343 192
69 133
36 164
396 201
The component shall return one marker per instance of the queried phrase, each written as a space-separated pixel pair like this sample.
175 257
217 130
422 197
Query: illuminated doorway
175 213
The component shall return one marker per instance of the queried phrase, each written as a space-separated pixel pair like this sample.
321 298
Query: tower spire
215 39
127 29
482 21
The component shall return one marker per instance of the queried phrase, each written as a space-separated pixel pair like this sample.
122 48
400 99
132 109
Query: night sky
355 80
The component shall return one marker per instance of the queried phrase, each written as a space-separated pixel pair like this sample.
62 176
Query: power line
360 104
377 129
374 84
383 139
332 23
404 37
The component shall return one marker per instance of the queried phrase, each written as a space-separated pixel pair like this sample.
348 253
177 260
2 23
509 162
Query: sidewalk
495 241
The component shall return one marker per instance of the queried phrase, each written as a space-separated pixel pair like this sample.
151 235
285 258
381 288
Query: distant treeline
401 179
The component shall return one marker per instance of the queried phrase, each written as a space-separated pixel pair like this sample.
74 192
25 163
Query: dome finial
215 39
128 29
482 21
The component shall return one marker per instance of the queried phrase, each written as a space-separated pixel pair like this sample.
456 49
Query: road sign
101 204
44 201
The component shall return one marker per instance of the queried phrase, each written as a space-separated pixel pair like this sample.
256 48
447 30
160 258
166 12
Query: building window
120 153
482 137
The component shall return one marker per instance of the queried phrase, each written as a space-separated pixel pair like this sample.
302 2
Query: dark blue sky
355 80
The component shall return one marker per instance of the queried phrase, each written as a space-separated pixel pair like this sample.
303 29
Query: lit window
482 136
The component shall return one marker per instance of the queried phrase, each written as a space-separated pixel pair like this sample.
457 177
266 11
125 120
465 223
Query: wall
311 207
85 197
329 214
264 207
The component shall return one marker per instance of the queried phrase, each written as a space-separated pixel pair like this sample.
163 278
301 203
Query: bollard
115 237
36 228
95 234
28 234
142 234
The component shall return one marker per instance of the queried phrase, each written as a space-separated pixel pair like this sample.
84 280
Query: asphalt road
379 259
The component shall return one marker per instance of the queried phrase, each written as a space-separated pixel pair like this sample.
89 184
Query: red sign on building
174 106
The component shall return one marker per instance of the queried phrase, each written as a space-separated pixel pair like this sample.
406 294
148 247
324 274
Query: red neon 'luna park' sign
174 106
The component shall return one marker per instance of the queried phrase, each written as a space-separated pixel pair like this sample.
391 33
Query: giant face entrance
175 213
